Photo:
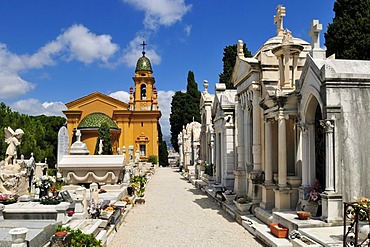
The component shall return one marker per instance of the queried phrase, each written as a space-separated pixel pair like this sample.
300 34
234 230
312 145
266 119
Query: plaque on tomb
66 196
63 143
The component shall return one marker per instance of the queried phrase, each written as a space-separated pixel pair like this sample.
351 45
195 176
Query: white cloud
121 95
12 85
87 47
34 107
164 102
76 43
161 12
133 51
187 29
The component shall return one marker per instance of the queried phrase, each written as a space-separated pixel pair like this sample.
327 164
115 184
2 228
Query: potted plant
243 204
279 230
229 196
303 215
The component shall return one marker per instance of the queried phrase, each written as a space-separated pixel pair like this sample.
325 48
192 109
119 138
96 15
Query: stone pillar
80 203
240 173
282 161
283 194
329 164
94 192
62 212
268 198
2 207
268 152
213 160
256 128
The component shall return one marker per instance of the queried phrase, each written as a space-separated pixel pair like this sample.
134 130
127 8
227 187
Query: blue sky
53 52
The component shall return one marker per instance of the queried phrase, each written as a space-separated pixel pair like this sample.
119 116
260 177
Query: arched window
143 91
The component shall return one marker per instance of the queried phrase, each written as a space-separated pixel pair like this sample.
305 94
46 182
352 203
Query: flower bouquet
94 208
315 194
8 198
50 200
44 183
364 209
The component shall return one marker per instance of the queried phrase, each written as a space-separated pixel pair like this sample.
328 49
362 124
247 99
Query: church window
143 91
142 150
142 124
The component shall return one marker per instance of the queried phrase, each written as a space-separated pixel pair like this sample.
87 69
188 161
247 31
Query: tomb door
319 148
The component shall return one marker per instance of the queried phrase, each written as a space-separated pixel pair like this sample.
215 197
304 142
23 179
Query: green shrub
153 159
80 239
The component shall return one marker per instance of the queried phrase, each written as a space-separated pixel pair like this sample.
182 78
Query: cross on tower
143 44
278 19
314 33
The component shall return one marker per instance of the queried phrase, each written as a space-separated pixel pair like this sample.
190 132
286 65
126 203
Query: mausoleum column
305 156
239 131
329 164
256 128
282 161
268 152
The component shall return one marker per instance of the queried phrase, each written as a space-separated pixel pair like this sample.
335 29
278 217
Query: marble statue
13 139
100 146
14 174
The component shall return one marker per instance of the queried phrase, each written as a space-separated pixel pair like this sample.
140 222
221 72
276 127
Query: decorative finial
240 50
314 33
143 44
278 19
205 85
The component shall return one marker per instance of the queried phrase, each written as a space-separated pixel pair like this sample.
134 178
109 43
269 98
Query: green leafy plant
153 159
80 239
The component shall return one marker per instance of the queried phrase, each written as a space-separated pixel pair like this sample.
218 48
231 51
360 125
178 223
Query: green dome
94 120
143 64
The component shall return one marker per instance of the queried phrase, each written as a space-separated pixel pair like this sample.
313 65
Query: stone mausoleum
133 125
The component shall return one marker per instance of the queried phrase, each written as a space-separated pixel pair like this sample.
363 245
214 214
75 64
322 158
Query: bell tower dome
144 94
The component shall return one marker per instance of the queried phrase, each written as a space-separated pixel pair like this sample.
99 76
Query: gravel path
178 214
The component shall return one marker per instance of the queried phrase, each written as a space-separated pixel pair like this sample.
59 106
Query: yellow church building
133 125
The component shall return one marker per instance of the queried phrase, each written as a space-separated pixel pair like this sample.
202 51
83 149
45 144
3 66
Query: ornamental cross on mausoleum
314 33
278 19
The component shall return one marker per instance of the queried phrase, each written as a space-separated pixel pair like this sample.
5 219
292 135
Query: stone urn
243 206
229 197
18 235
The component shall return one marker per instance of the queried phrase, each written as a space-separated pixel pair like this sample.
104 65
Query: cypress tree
162 149
104 134
348 37
229 60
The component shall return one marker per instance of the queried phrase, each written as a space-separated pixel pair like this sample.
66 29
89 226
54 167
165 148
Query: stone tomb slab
39 231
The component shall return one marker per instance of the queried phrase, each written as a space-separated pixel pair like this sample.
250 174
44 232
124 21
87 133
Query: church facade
133 125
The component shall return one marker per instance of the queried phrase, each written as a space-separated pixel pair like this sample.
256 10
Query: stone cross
278 19
314 33
78 135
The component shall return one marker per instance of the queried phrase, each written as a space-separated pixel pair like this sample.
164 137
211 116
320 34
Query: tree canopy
40 138
348 37
229 60
104 134
184 108
162 148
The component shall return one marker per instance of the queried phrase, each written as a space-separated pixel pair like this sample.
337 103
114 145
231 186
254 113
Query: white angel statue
13 138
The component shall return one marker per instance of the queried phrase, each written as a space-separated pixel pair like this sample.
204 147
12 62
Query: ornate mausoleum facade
293 134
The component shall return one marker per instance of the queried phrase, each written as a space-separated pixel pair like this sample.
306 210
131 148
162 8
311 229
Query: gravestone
63 142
